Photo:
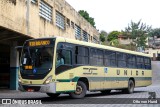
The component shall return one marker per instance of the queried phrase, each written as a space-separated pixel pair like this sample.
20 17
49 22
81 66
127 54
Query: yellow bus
59 65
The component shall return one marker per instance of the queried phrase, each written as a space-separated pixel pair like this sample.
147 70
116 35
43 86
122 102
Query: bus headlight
48 80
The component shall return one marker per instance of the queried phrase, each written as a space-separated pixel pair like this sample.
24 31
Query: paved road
93 98
156 73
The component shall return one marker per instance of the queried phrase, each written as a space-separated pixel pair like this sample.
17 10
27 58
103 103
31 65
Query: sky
110 15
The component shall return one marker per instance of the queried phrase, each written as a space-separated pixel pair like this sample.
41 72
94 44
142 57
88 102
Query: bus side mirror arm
19 48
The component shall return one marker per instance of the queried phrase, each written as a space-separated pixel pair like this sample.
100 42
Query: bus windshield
37 59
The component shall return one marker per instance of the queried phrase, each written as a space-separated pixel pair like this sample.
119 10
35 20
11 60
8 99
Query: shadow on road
69 100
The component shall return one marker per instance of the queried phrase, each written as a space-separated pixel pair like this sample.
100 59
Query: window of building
85 36
94 40
60 20
121 59
96 57
72 24
91 38
45 11
82 55
77 32
34 1
140 62
12 1
131 61
110 58
68 22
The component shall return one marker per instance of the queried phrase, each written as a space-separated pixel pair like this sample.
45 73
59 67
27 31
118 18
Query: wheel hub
78 89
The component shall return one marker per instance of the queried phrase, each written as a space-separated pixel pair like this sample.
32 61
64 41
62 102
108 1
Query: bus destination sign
39 43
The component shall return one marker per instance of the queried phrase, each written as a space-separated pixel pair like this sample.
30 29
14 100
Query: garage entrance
9 57
4 66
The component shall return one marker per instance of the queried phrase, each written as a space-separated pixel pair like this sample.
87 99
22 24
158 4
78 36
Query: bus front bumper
46 88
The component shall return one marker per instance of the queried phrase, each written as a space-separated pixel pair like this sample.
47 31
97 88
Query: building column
14 66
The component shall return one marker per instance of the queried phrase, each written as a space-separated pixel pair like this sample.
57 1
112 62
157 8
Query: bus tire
80 91
106 92
53 95
130 88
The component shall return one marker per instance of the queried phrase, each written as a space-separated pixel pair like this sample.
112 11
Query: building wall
23 17
153 47
124 41
153 52
21 20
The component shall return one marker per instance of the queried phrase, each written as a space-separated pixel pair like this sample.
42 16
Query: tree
138 32
85 15
103 36
114 42
113 35
154 33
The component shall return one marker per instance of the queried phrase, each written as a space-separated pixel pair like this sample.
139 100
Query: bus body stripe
105 79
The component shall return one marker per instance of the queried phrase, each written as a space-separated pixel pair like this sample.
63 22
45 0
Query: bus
59 65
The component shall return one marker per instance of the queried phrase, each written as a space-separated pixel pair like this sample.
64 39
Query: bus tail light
48 80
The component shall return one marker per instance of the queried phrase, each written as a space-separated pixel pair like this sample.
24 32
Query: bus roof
106 47
97 46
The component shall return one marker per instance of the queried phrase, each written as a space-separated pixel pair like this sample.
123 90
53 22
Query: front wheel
80 91
53 95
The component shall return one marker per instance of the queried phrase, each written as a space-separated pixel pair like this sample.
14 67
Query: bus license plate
30 90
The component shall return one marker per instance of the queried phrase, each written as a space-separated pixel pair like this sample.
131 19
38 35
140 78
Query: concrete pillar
14 66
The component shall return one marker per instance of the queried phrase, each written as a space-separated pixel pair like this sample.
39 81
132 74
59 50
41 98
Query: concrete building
154 47
124 40
24 19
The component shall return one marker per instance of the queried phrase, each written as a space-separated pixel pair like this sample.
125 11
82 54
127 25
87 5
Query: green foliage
85 15
113 35
128 47
138 32
154 32
114 42
103 36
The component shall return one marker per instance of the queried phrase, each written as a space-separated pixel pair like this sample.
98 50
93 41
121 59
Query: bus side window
100 57
93 56
81 55
140 62
67 56
147 62
110 58
66 63
63 54
121 58
63 57
131 61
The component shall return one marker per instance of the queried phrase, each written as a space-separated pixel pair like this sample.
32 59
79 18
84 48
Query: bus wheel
80 91
53 95
130 88
106 91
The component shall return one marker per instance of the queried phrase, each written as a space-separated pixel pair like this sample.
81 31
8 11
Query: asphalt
94 99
